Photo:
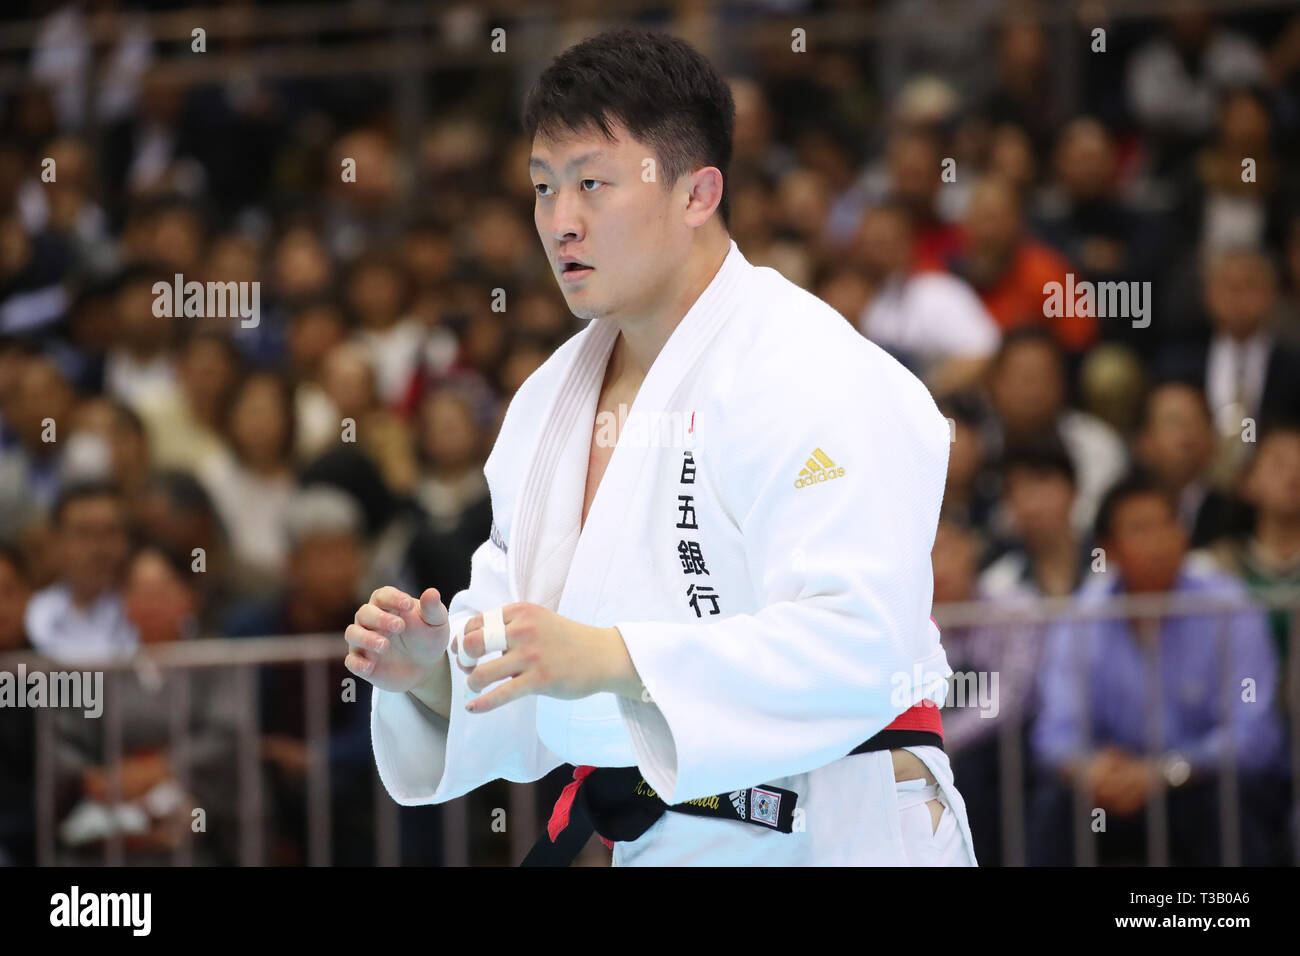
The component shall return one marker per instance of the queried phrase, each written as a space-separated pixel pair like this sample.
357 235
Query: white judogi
822 587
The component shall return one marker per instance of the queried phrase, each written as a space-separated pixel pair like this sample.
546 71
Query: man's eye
539 187
585 181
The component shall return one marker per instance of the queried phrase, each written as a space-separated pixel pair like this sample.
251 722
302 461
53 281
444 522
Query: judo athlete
708 581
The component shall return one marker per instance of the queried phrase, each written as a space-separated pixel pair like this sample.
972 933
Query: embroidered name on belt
769 807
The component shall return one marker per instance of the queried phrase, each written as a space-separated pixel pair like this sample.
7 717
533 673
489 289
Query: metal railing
177 663
1029 620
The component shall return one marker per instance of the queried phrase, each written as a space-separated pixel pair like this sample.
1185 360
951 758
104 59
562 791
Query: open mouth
573 271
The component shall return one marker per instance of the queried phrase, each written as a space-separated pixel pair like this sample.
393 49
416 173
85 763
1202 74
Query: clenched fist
396 642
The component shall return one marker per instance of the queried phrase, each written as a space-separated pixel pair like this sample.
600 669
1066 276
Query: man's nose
567 225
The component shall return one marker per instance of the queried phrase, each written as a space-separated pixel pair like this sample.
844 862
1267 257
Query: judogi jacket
761 539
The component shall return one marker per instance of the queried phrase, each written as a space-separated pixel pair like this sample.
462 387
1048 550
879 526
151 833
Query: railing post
1157 803
1229 804
1293 707
178 686
113 761
1011 770
523 819
455 831
250 769
387 825
1085 845
45 766
318 771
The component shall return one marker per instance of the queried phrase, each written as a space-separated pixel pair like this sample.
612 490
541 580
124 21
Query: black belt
618 804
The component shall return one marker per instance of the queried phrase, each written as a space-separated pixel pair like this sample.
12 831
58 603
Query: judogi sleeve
842 573
425 758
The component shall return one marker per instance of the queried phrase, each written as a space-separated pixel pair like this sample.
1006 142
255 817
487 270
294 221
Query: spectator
1176 444
253 483
909 179
1245 371
152 151
378 292
1023 94
753 146
323 586
184 421
1010 270
1267 557
453 422
348 379
79 619
315 329
67 209
18 729
37 404
176 512
362 212
993 669
300 266
1095 696
1026 386
971 491
932 321
1174 80
120 449
391 521
141 361
1044 556
153 811
1083 214
1226 203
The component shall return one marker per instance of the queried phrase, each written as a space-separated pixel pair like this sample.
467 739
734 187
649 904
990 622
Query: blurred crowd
168 478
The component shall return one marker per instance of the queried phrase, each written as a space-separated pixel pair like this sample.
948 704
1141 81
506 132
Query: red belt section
560 815
922 716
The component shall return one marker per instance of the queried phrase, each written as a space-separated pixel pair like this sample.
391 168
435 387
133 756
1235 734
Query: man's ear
704 194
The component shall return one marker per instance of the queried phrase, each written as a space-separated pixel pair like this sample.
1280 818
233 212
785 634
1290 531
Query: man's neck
641 339
1056 547
84 597
1245 336
1277 538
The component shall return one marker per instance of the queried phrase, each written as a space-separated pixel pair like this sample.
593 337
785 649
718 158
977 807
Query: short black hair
659 87
1138 481
82 490
176 560
1044 454
965 406
1172 381
1036 334
893 206
280 381
1269 428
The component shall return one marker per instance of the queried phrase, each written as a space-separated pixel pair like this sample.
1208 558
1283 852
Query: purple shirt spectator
1191 683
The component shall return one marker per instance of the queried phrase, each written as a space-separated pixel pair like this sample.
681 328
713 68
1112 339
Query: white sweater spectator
931 316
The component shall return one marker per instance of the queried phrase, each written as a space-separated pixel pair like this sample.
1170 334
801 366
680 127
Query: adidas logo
738 801
819 468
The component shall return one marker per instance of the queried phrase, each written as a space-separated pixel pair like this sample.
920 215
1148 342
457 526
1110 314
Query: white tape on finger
464 658
494 630
494 637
